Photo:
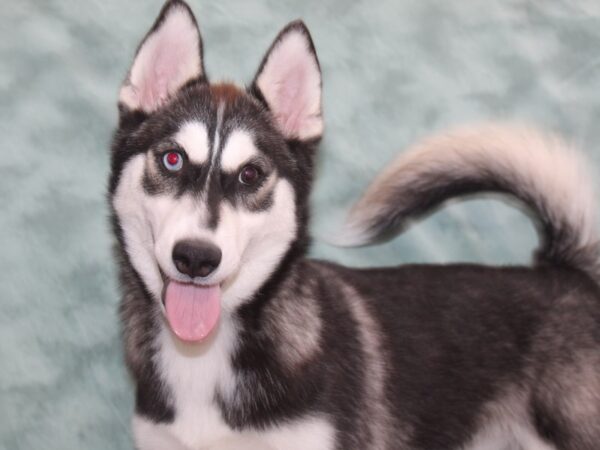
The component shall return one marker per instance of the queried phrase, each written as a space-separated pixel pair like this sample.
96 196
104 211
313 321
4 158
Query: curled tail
537 169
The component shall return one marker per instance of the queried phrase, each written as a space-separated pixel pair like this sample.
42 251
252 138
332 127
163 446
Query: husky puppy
236 340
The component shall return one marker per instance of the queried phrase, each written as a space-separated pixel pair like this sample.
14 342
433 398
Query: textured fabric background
393 71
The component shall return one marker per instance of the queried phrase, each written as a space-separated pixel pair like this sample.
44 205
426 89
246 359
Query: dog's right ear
169 57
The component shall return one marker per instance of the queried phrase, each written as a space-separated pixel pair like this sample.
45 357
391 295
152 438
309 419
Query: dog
235 339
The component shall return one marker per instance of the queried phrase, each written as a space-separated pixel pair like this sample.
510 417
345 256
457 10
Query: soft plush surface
393 72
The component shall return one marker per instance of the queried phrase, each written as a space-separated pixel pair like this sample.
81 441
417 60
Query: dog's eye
173 161
249 175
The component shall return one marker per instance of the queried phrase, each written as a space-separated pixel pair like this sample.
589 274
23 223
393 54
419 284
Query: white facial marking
166 61
217 140
238 149
193 138
263 237
128 203
252 243
173 220
152 224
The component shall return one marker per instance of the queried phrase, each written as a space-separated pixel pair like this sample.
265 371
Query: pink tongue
192 310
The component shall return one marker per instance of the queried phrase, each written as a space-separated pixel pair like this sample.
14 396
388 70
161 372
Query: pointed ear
289 82
169 56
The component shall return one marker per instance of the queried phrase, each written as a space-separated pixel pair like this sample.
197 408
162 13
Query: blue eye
173 161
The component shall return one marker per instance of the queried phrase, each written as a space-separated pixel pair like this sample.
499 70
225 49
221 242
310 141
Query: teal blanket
394 71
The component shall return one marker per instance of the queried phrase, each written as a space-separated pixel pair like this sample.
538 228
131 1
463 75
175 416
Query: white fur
238 149
540 164
529 440
167 59
291 84
128 203
193 374
509 436
149 435
309 433
379 420
193 138
216 143
267 235
505 425
294 320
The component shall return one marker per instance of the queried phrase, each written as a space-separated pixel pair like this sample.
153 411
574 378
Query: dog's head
209 181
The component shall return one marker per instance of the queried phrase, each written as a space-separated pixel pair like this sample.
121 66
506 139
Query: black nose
196 258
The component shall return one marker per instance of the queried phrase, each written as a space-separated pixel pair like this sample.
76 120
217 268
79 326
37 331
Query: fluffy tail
537 169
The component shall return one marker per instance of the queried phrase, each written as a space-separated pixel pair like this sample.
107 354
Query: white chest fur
310 433
193 374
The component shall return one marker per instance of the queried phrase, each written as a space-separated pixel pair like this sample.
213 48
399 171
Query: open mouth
192 310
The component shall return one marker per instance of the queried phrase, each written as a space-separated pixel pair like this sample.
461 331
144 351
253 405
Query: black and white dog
236 340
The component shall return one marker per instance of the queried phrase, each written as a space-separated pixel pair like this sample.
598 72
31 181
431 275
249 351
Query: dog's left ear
169 57
289 83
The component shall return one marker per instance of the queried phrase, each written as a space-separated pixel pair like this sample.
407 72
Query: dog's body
236 341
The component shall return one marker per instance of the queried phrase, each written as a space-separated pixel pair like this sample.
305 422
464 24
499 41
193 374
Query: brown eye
249 175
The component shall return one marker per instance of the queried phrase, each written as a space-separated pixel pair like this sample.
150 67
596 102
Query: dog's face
208 178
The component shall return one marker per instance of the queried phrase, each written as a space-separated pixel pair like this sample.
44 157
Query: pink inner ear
162 77
167 59
292 105
291 84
